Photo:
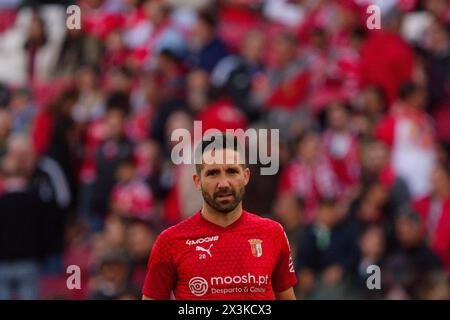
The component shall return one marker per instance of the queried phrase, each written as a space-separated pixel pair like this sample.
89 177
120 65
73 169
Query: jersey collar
212 225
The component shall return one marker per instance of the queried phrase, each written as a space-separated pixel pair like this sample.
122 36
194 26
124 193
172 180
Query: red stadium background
86 115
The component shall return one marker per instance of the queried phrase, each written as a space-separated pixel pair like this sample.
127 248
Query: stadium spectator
376 166
197 90
22 109
23 238
435 212
169 75
412 254
131 196
90 104
287 85
181 200
77 49
437 46
207 49
309 176
5 129
342 146
370 207
374 103
409 133
46 179
113 280
55 135
239 74
327 254
390 68
140 240
372 249
115 148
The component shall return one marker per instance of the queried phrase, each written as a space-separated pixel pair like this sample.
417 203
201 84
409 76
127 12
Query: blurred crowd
86 117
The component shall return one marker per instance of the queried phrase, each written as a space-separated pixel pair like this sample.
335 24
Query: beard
224 206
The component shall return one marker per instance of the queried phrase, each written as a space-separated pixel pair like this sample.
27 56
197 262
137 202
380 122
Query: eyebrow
229 169
211 171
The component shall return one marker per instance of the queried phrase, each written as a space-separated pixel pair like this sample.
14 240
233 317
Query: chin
225 209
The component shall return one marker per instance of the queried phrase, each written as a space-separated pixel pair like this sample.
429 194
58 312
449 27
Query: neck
219 218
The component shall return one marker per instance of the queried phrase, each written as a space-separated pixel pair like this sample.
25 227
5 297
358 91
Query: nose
223 183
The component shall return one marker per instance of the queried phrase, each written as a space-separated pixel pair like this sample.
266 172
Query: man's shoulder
258 221
180 228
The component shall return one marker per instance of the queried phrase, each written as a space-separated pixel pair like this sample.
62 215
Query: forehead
221 158
407 222
309 139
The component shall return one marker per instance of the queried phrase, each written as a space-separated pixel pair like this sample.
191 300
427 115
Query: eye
212 173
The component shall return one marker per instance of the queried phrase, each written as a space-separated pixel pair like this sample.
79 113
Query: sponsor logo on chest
203 246
201 240
236 284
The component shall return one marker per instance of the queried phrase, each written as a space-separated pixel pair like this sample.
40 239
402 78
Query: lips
224 196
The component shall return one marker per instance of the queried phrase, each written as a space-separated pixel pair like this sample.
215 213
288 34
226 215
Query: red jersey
197 259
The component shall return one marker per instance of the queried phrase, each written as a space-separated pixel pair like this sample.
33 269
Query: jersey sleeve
161 272
283 276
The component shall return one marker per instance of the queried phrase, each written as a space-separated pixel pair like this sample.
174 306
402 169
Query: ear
196 179
246 176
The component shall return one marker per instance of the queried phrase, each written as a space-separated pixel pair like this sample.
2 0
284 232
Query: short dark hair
118 100
327 202
226 140
169 54
407 89
208 18
304 135
408 213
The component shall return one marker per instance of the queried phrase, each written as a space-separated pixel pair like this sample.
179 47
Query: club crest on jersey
255 245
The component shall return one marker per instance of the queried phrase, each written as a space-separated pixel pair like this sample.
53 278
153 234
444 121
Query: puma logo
198 248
